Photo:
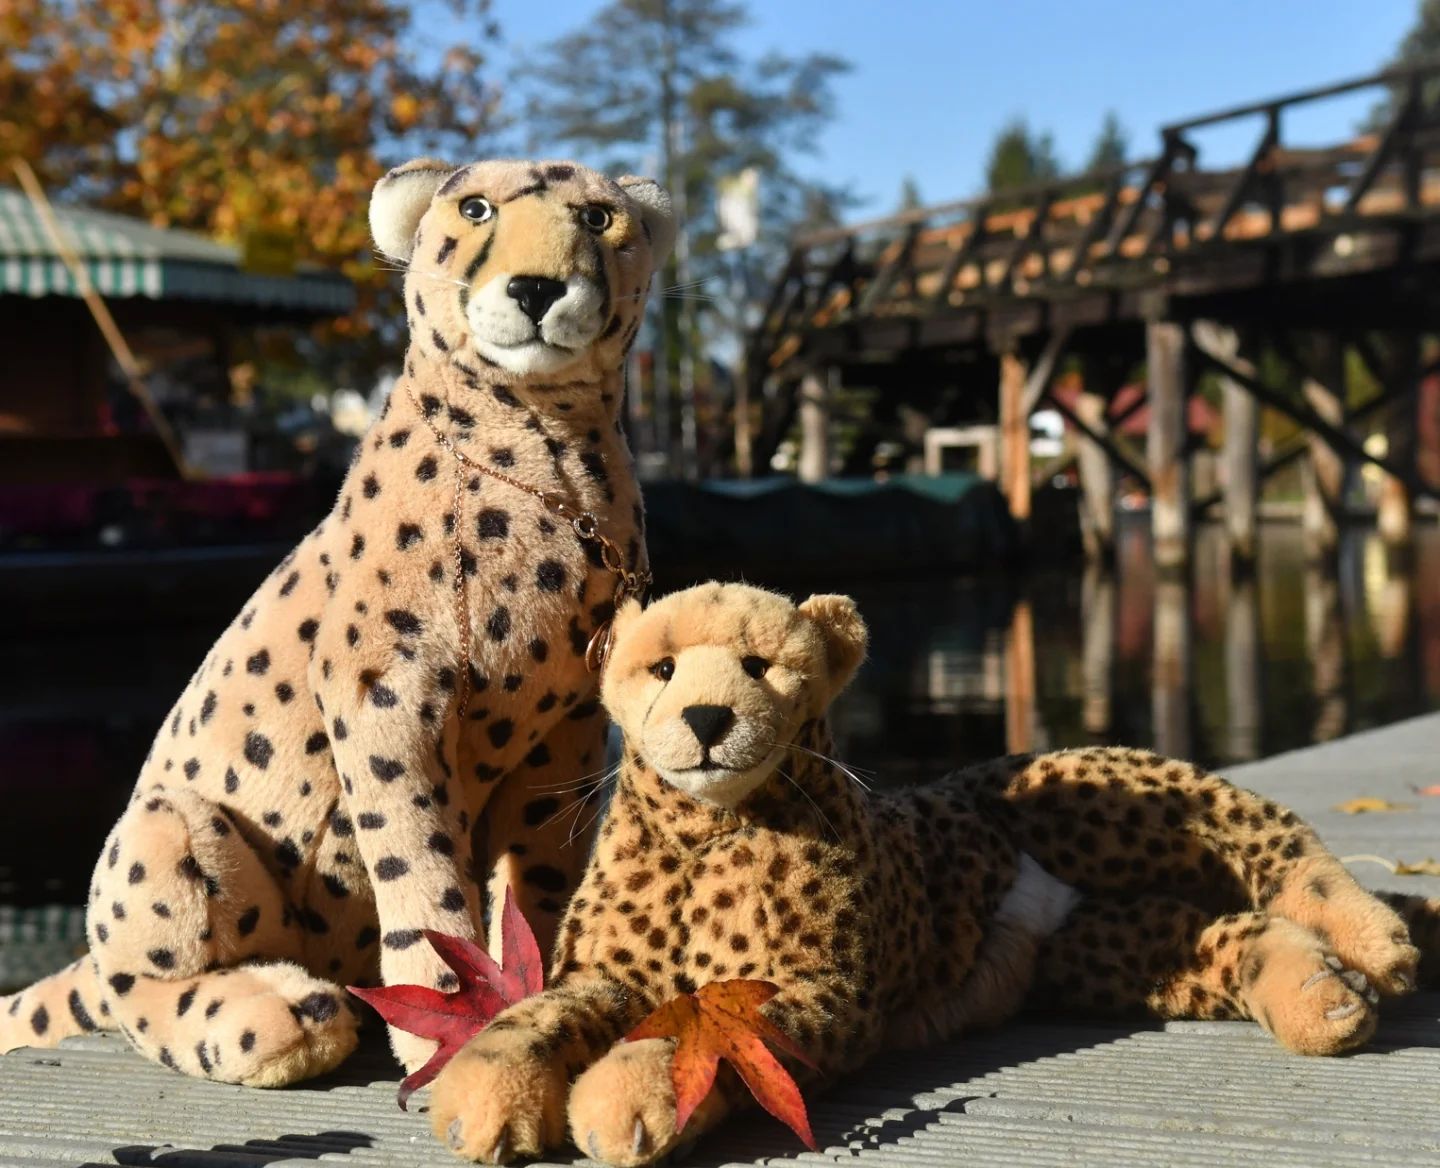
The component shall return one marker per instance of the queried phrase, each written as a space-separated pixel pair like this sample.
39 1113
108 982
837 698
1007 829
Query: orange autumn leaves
721 1020
237 116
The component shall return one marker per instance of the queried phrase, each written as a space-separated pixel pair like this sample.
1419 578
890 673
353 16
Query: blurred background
1093 348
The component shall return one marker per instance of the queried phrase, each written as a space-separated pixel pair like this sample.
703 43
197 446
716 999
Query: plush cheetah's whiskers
392 265
577 832
825 819
835 762
602 775
574 805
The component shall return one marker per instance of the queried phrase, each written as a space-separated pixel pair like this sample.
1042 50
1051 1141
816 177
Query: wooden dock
1034 1093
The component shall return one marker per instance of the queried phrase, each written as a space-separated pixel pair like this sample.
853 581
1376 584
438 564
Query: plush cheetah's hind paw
1307 998
258 1025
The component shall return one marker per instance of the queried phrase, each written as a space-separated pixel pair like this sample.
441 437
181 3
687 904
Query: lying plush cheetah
400 712
733 847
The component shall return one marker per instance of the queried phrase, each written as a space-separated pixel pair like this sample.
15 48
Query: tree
1421 43
659 86
1111 146
238 116
1020 157
910 199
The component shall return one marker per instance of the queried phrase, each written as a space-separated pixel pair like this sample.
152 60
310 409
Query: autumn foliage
722 1020
231 116
485 989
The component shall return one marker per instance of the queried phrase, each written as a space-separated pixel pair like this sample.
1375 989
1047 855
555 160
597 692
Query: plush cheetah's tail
56 1007
1422 916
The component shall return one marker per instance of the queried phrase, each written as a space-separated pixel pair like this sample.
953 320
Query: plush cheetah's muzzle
535 324
712 751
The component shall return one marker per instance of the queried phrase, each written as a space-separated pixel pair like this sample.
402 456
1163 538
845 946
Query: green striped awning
127 257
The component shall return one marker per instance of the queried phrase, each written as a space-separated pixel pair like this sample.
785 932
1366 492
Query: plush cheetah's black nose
708 723
535 294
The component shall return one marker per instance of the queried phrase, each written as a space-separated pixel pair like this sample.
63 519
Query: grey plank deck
1029 1094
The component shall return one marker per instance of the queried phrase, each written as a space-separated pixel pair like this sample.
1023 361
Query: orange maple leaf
723 1020
485 989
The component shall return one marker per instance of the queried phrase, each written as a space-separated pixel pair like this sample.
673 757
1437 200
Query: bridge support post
1395 509
814 427
1325 474
1014 436
1168 385
1241 455
1097 476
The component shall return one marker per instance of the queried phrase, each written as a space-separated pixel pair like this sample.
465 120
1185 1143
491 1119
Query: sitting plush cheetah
400 713
734 848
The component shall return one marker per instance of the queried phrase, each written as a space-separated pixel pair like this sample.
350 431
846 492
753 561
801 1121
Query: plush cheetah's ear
625 615
839 623
400 199
655 212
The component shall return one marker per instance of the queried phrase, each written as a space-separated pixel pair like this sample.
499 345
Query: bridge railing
1122 229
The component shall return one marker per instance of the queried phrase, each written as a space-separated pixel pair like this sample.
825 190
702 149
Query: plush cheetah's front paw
497 1100
1308 999
622 1110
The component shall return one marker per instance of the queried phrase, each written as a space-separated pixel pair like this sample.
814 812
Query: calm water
960 670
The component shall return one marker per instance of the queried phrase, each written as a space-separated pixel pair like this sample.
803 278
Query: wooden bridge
967 311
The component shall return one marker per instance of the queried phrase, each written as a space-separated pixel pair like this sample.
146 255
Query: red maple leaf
485 989
723 1020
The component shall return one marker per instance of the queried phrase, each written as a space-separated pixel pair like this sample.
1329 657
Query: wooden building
65 412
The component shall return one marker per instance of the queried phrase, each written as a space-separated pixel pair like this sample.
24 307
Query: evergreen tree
1111 146
659 87
910 199
1019 158
1421 43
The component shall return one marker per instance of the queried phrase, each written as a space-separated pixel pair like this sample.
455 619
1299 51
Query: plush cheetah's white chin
525 359
721 785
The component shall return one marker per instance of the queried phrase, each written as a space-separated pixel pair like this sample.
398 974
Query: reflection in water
1170 686
1223 671
1325 641
1244 692
960 670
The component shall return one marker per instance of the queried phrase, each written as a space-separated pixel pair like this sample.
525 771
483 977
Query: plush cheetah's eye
476 209
756 667
596 217
664 669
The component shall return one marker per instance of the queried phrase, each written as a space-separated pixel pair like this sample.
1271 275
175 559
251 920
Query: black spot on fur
390 868
258 750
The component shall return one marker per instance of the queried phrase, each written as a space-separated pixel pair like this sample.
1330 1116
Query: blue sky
933 80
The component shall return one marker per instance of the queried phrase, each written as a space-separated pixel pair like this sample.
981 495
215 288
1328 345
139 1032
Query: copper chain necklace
586 526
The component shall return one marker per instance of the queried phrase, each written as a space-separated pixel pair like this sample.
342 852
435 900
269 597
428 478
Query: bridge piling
1168 386
1395 508
1014 435
1325 474
1097 479
814 426
1240 458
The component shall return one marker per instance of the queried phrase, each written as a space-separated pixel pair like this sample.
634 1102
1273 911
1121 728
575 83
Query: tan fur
879 916
314 800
